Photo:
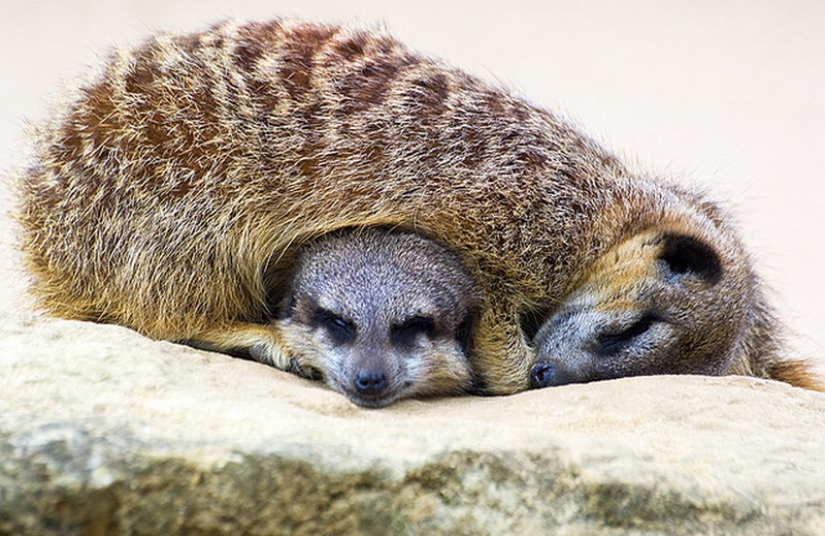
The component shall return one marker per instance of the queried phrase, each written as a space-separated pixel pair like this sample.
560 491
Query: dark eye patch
612 342
341 331
406 333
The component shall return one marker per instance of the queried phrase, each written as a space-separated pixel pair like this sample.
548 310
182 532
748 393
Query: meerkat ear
686 255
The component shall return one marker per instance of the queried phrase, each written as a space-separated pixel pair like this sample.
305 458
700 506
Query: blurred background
728 94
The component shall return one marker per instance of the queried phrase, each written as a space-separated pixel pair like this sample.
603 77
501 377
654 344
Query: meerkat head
380 315
659 303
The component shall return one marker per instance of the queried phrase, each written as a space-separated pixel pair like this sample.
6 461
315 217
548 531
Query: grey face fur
380 315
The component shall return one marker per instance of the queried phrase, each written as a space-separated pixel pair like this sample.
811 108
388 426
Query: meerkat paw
270 352
256 341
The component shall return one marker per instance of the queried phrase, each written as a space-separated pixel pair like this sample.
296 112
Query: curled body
172 191
380 315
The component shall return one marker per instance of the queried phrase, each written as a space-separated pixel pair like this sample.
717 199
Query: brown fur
169 195
380 315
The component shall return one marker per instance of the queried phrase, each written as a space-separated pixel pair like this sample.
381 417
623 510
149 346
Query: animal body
172 191
380 315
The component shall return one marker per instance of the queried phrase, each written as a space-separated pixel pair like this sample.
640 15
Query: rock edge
104 431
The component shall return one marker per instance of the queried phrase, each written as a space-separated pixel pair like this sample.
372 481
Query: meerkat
380 315
651 305
173 189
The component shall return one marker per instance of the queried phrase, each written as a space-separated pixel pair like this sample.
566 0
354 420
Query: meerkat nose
371 383
543 374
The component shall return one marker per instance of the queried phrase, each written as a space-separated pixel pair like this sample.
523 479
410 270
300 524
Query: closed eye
341 331
613 342
406 333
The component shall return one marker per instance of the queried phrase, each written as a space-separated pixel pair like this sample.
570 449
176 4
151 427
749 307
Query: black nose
370 382
543 374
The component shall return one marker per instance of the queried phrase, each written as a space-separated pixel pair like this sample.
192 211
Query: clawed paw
268 352
310 373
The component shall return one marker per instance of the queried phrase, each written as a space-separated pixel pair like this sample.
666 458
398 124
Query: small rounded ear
686 255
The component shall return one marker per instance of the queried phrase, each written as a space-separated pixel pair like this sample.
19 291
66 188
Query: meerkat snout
368 348
380 315
650 306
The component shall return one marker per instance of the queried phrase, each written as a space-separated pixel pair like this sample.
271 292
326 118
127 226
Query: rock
103 431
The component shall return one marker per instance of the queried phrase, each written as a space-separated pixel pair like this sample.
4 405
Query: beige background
725 93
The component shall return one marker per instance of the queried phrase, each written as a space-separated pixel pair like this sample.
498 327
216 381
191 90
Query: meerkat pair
205 160
381 315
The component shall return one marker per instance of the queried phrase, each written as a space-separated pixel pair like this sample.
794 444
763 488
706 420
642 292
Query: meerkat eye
612 342
340 331
406 333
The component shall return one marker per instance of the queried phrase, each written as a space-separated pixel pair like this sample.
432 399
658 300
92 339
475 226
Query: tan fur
170 194
380 315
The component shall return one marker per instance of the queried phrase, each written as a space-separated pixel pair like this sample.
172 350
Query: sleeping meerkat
658 304
380 315
172 190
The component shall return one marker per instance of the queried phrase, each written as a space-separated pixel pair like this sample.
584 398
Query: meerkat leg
500 337
260 342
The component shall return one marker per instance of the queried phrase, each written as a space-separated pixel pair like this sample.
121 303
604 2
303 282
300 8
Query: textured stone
103 431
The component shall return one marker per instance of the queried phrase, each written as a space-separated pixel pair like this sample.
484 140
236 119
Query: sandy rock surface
103 431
